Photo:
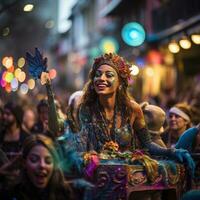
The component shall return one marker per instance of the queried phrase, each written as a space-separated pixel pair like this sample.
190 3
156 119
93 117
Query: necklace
109 125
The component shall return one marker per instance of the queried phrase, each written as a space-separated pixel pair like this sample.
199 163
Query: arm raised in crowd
38 70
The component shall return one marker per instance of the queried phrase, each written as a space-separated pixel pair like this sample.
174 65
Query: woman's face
106 80
39 166
177 123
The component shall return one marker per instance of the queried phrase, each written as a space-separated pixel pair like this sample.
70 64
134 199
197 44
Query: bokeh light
23 88
52 73
9 77
109 45
17 72
7 62
195 38
22 76
8 88
21 62
4 75
3 83
185 43
28 7
11 69
149 71
31 84
133 34
14 84
134 70
173 47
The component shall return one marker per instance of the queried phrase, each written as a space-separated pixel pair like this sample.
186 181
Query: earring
120 87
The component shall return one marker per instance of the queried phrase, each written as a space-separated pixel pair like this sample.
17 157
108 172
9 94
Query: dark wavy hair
123 99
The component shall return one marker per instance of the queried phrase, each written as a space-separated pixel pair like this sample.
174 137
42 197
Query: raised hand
36 64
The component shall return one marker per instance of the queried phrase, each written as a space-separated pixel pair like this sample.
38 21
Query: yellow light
195 38
31 84
185 43
9 77
21 62
17 72
173 47
28 7
22 77
149 71
134 70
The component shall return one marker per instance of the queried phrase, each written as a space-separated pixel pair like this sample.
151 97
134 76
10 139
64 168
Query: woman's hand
183 155
45 79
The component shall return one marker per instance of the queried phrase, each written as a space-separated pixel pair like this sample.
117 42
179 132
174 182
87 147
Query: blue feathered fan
36 64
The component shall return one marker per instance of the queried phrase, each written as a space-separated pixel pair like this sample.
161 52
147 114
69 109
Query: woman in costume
107 113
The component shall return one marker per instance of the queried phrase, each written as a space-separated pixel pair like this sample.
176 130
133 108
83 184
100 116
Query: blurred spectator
72 112
12 136
28 120
190 140
154 118
42 125
179 120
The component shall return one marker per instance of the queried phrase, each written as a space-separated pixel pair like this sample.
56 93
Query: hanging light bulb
185 43
195 38
173 47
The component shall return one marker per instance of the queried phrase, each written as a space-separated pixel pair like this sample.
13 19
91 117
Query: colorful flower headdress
117 62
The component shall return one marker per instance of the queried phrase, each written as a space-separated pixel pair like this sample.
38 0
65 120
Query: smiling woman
41 175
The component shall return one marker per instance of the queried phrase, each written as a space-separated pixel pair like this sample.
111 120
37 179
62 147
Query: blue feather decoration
36 64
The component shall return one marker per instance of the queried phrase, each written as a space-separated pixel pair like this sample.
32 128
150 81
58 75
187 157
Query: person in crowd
190 140
28 120
179 120
72 111
12 136
155 118
41 177
107 112
42 124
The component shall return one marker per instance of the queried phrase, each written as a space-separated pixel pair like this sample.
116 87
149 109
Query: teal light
133 34
109 45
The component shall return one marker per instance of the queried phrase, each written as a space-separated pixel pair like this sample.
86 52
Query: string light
173 47
185 43
195 38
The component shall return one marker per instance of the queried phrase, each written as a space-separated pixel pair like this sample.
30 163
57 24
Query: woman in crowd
179 120
41 176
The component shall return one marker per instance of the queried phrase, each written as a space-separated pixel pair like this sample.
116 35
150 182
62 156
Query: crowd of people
31 147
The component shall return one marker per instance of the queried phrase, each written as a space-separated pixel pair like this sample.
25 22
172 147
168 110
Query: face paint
106 80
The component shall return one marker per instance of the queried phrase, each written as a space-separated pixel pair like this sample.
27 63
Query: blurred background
160 38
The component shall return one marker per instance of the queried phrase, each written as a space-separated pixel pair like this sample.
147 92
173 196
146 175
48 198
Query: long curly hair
123 99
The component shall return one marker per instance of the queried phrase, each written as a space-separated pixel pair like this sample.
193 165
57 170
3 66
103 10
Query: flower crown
115 61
